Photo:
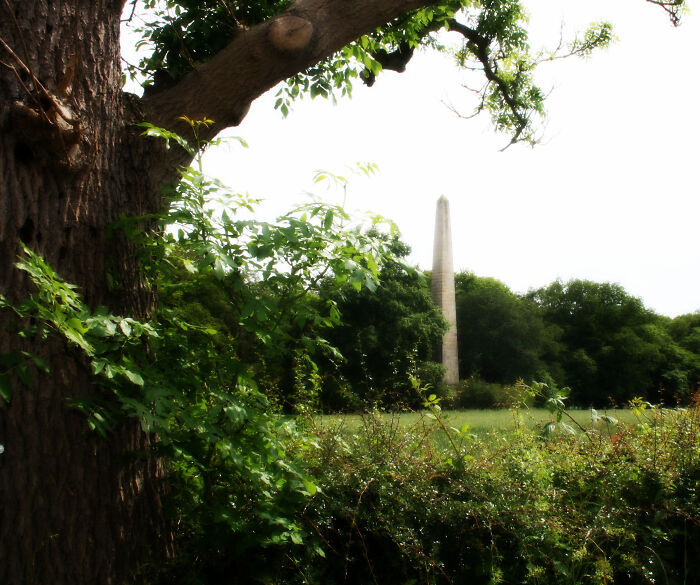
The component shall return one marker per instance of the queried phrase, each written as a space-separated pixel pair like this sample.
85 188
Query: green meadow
482 422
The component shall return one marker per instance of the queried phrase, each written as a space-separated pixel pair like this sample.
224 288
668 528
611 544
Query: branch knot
290 34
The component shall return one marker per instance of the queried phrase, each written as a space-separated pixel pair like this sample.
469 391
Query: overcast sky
611 193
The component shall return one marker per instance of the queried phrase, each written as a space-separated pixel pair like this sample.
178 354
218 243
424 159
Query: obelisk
443 289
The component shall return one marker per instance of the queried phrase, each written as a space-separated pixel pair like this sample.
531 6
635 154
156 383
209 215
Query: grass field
482 422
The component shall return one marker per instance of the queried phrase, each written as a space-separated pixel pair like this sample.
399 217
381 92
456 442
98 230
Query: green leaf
75 336
24 375
77 324
310 487
328 220
5 388
98 366
103 327
568 428
133 377
125 326
219 269
41 364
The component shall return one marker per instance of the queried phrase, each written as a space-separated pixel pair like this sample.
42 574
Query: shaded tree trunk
74 508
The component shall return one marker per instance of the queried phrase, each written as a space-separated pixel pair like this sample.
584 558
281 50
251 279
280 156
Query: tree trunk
74 508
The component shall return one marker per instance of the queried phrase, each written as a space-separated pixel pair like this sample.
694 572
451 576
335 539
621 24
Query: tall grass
481 422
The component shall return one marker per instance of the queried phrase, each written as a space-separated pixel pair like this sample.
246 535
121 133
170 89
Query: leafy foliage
386 336
183 33
501 336
592 337
432 504
611 346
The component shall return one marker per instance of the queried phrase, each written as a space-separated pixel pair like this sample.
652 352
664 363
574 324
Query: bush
432 505
477 393
594 508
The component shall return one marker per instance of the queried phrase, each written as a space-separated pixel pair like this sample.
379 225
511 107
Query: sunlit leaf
5 388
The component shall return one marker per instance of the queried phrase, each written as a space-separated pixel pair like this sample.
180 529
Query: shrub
396 507
477 393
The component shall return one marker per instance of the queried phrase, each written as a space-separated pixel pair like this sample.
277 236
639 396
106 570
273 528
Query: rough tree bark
75 509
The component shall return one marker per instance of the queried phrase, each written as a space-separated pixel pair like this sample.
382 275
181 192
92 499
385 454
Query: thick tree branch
394 61
256 60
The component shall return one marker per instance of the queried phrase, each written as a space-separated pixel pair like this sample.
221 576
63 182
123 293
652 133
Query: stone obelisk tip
443 288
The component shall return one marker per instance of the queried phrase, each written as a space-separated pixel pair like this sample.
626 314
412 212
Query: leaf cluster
184 33
387 336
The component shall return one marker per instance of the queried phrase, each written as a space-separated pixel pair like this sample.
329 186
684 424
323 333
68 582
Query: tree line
594 338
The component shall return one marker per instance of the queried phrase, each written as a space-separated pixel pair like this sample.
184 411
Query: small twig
355 528
184 51
671 7
45 93
301 571
438 418
578 424
459 114
21 63
364 548
231 14
318 531
131 16
19 30
28 91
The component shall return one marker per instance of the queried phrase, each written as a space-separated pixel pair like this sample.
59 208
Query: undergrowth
396 506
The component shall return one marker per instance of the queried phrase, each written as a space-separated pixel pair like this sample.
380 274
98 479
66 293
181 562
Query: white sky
610 195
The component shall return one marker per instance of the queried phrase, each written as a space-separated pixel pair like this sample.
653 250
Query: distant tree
386 336
501 335
685 332
614 348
